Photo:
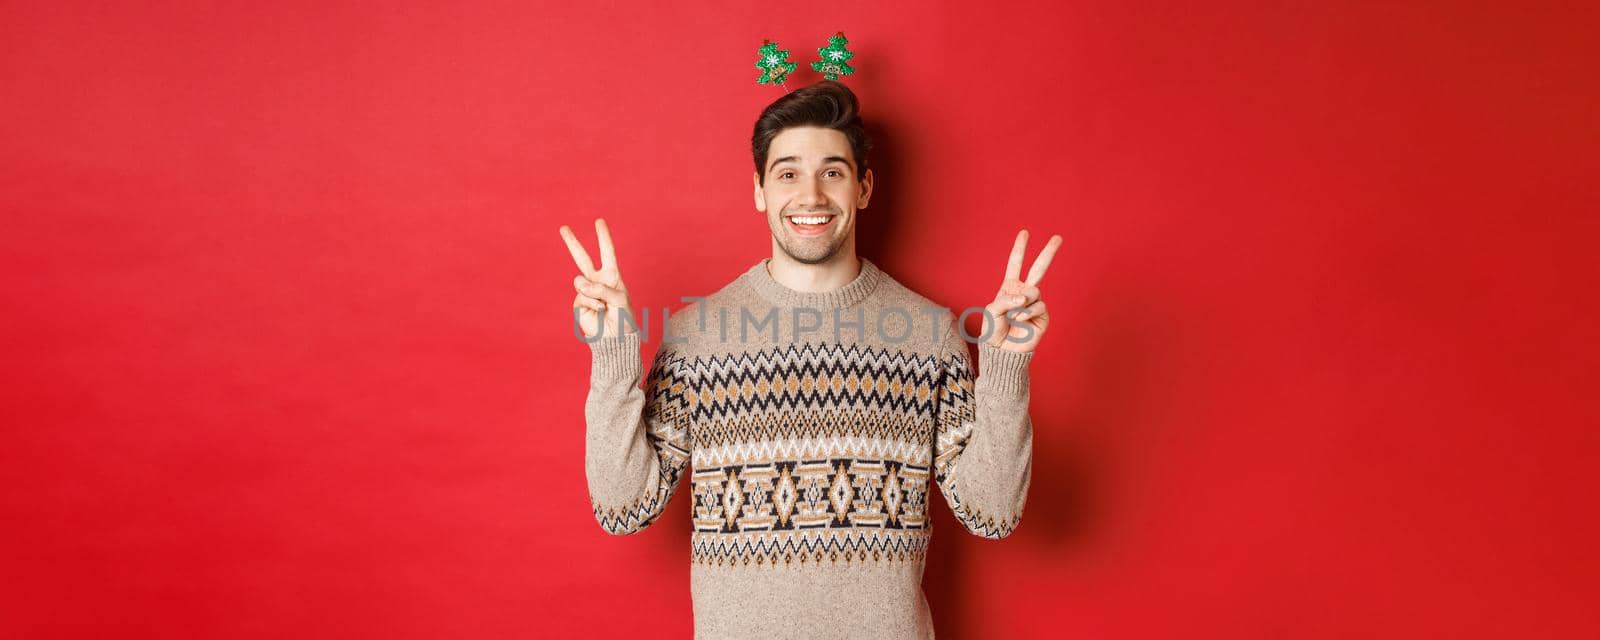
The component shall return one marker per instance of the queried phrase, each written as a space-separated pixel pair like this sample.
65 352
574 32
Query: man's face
811 193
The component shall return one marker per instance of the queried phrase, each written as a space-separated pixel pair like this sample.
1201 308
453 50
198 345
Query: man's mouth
809 224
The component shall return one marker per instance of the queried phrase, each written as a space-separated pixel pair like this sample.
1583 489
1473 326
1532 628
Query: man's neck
822 277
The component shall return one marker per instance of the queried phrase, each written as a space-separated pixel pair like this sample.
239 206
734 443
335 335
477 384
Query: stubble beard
813 250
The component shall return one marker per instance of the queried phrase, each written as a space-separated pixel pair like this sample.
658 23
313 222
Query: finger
586 287
1004 301
608 254
609 295
1028 293
994 325
1016 296
578 254
1014 264
588 303
999 329
1042 263
1031 311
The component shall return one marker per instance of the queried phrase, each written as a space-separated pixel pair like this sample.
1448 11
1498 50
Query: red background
287 334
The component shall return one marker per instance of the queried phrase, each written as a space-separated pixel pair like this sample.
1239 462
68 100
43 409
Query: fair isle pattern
978 523
669 436
808 436
811 459
956 417
778 496
811 511
803 378
810 401
835 432
809 545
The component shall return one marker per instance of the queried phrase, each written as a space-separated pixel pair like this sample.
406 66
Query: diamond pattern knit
812 427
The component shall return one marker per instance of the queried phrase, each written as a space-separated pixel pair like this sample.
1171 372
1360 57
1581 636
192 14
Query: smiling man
814 180
816 402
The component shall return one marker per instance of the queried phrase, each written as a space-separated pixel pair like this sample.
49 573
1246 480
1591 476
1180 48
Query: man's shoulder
891 293
688 323
902 311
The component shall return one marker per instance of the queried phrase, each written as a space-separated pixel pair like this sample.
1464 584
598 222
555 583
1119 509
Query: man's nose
811 193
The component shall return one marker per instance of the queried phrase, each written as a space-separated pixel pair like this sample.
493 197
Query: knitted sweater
814 426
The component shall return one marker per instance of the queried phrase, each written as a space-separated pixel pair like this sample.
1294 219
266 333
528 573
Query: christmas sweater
812 429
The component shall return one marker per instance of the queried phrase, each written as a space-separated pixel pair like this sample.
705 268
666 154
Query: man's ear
761 201
866 190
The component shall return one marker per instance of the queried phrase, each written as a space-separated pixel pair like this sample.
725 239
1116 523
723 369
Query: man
814 397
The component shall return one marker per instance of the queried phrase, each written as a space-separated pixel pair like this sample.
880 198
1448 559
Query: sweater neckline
776 292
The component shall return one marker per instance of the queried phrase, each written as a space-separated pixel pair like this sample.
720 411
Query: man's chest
810 436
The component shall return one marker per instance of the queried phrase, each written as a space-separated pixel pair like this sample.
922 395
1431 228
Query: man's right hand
601 293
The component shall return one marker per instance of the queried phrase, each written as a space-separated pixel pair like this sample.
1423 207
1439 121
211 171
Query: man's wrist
615 356
1002 370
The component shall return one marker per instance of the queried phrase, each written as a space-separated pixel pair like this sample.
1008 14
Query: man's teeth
810 219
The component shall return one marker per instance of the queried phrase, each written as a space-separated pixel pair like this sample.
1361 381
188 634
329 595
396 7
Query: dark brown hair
827 104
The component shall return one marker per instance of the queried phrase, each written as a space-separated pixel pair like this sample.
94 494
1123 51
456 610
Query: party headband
775 66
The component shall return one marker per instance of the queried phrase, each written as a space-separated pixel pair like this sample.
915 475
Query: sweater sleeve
983 444
637 440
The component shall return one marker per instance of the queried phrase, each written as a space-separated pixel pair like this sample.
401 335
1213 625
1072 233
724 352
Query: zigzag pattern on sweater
807 436
756 452
668 435
956 420
976 521
634 517
802 377
819 424
809 545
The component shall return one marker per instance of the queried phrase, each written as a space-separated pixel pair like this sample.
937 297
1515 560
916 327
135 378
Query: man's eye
785 175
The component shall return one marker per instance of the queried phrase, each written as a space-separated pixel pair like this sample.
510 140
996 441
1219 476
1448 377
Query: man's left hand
1021 330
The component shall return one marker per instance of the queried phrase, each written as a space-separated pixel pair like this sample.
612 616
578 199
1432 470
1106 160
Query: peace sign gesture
1012 333
601 294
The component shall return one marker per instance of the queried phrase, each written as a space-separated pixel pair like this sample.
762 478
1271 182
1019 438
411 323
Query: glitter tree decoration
774 64
834 58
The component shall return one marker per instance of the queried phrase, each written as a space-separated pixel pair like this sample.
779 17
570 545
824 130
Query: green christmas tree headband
775 66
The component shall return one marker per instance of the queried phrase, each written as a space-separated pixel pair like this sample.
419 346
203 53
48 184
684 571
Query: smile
809 225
